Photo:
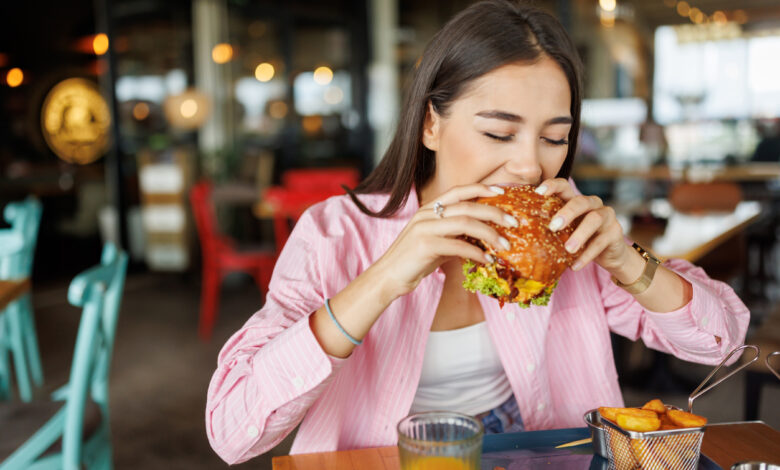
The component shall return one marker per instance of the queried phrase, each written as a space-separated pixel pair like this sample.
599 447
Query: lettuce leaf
476 282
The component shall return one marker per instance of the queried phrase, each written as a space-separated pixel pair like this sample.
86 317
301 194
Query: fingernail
541 190
571 245
576 266
556 224
489 258
511 220
497 189
505 243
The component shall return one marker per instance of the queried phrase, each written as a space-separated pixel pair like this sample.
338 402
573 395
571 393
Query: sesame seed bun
528 272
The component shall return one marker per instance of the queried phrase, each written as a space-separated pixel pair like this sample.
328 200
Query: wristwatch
639 286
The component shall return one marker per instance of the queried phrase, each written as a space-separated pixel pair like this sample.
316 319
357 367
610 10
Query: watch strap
641 284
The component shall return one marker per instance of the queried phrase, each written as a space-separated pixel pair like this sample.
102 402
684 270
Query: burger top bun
537 252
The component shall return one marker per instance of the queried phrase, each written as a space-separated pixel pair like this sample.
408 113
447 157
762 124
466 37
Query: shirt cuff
694 321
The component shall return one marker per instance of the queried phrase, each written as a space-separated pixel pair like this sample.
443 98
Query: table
725 444
12 290
690 237
698 173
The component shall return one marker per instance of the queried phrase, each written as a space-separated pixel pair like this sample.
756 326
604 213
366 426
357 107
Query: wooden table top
745 172
726 444
11 290
690 237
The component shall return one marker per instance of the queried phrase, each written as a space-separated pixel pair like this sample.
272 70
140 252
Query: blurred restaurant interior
193 133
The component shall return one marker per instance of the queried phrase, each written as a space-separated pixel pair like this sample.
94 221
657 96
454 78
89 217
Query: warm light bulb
323 75
100 44
264 72
141 111
608 5
188 108
719 17
14 77
222 53
683 8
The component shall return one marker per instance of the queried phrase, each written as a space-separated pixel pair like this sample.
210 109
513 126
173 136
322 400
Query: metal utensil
754 466
772 369
699 392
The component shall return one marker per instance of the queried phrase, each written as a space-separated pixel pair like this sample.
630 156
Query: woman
495 100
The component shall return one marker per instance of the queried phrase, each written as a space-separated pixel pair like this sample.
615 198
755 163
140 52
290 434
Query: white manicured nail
505 243
541 190
497 189
489 258
556 223
510 220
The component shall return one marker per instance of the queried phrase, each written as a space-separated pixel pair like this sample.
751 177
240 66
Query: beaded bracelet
338 325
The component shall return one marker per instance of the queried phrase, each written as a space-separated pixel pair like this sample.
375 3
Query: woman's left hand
598 231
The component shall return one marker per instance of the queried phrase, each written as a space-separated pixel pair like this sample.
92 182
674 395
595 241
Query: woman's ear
431 129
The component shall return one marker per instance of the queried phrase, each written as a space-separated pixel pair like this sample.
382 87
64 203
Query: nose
524 164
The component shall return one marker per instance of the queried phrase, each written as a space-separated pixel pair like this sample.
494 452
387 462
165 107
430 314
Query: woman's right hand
429 239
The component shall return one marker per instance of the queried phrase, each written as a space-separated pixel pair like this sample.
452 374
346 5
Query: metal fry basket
769 364
674 449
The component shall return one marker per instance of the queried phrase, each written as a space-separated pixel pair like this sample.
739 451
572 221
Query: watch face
75 121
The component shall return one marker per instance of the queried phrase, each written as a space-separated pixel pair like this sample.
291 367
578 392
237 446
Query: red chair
220 257
315 179
301 189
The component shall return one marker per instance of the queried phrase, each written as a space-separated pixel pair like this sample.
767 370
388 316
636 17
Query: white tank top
461 372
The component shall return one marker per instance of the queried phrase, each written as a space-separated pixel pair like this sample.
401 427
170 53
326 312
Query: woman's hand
430 239
598 231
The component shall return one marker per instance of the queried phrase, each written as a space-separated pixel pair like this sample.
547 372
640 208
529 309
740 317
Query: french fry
686 420
609 412
655 405
635 423
645 455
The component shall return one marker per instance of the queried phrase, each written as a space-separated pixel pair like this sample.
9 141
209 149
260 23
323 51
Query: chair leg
31 341
209 302
16 339
5 368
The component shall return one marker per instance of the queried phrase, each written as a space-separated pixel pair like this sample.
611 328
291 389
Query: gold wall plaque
76 121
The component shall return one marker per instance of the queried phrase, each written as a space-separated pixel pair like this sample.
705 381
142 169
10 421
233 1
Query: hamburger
527 273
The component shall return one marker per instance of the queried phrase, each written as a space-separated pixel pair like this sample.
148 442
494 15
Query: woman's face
510 126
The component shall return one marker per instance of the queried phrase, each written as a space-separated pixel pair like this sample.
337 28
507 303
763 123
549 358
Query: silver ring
438 209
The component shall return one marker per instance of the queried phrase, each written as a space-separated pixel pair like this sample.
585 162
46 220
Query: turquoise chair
17 323
76 434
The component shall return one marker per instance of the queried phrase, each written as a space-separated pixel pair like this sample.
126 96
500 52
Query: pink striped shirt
272 374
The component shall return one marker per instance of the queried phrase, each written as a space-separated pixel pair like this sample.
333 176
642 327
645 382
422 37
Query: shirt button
510 316
530 367
540 406
252 431
704 321
297 383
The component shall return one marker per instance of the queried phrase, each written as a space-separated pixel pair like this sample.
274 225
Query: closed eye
563 141
500 138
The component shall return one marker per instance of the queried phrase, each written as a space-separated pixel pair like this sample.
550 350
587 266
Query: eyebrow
506 116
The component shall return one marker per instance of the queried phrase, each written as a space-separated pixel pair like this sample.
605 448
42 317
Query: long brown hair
481 38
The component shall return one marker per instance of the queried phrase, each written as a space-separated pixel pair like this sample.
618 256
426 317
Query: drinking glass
440 440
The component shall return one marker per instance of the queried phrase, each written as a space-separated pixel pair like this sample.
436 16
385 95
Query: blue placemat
532 450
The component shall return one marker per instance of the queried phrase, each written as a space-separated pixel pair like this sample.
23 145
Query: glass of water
440 440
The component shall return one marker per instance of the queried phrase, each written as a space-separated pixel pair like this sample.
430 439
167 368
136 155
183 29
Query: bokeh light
608 5
222 53
141 111
719 17
311 124
277 109
188 108
264 72
334 95
100 44
683 8
14 77
323 75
